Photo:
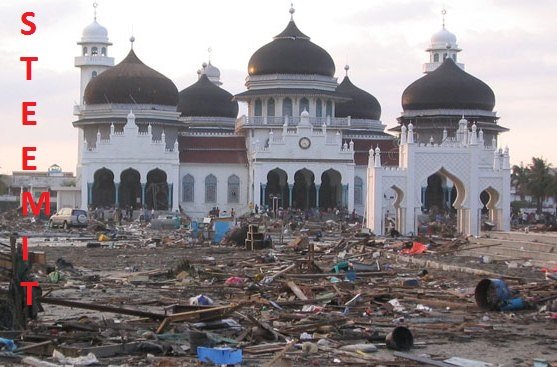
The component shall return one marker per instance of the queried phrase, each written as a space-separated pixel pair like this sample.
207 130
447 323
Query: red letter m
27 200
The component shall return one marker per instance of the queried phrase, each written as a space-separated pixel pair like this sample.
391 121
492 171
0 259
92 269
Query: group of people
119 214
525 218
317 214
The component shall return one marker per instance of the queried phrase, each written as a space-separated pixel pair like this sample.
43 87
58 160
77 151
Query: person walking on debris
129 213
118 216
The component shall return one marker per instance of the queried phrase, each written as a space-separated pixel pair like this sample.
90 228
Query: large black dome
131 81
362 105
205 99
291 52
448 87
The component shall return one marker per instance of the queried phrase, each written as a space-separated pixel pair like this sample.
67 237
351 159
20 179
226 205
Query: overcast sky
511 45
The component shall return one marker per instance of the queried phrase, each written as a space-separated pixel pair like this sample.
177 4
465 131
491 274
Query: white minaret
443 45
94 53
93 61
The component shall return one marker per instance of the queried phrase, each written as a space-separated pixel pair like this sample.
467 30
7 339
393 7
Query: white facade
130 149
464 162
227 197
314 150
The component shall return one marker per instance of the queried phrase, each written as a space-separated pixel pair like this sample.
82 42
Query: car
68 217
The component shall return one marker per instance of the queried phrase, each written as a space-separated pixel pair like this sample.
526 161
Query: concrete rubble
275 293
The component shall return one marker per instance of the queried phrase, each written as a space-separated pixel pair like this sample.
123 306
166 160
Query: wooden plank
296 290
102 308
280 354
191 315
102 351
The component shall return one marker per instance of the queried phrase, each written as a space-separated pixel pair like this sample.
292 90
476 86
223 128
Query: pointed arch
129 190
188 188
330 190
304 192
271 107
210 189
156 190
287 107
358 191
104 190
277 186
233 189
304 105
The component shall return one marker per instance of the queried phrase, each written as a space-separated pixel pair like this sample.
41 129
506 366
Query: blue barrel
492 294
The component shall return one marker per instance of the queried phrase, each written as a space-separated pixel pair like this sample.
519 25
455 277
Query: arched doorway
303 193
330 192
434 199
489 198
129 190
399 213
156 191
104 191
443 198
484 199
277 186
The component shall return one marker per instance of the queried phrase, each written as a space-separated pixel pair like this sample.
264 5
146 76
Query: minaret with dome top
94 57
443 45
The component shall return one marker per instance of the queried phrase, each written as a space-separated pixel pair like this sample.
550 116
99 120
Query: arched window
85 52
94 51
210 189
187 188
258 109
318 108
103 51
271 107
358 191
329 110
454 57
233 189
445 56
287 107
435 57
93 74
304 105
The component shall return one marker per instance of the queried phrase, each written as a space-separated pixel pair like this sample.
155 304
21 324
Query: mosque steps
511 248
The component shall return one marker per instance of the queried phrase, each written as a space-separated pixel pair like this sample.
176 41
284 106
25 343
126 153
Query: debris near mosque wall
324 292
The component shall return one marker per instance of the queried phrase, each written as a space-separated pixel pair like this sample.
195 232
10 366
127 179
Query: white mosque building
304 143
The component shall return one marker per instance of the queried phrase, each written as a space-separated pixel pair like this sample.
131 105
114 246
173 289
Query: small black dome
291 52
362 104
205 99
131 81
448 87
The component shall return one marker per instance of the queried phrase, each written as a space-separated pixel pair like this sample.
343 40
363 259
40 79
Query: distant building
60 184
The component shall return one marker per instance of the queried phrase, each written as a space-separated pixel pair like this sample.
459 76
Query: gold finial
346 68
291 11
95 9
443 13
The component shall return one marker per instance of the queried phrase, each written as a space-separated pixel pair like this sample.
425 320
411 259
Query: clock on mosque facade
304 143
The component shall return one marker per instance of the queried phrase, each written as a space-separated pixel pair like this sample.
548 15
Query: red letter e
26 112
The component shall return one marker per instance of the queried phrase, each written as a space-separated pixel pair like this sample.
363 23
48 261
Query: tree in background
540 181
519 179
3 185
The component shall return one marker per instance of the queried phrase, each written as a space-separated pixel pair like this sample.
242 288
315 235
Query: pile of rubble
317 293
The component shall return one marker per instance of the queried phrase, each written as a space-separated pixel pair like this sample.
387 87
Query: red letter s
32 26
